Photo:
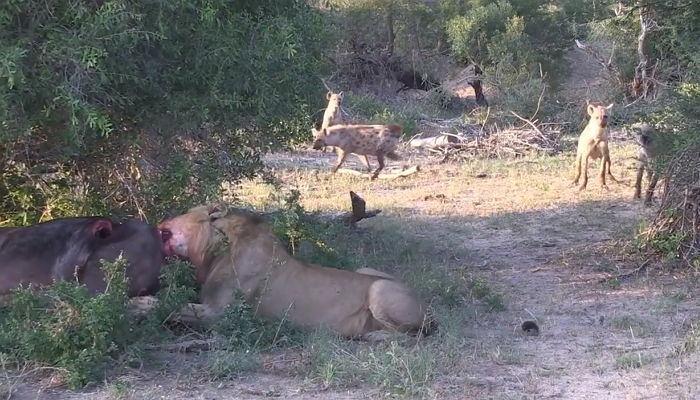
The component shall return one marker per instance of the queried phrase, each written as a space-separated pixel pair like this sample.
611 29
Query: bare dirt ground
552 252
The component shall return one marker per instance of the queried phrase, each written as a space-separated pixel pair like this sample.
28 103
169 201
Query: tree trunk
391 35
643 84
478 90
479 93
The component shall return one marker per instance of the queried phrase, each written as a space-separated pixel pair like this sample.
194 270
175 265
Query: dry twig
470 140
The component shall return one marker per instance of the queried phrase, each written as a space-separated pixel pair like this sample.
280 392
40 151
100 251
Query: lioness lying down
237 251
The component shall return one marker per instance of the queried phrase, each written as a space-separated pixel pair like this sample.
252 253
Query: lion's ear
217 211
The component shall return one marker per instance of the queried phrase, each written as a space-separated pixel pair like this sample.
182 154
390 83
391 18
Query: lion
237 251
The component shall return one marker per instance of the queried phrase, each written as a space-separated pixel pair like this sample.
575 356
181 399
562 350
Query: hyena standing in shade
652 147
377 140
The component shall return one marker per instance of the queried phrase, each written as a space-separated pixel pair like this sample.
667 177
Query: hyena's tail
393 156
395 130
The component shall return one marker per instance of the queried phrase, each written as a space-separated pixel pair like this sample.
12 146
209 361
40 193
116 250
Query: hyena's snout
318 144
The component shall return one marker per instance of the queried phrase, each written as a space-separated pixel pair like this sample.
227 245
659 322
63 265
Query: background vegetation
127 107
139 108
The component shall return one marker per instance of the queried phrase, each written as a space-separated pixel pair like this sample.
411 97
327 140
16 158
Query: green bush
486 32
680 118
519 45
365 23
67 329
85 70
373 111
64 328
519 89
294 226
471 32
177 289
243 330
113 91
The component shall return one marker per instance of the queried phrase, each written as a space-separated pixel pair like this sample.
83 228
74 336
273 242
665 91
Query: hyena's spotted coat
377 140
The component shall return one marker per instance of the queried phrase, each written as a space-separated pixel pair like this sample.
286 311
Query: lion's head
190 235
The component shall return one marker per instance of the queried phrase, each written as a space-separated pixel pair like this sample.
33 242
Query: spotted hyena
363 140
333 114
653 145
593 143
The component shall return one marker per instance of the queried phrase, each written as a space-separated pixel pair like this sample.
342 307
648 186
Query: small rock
530 328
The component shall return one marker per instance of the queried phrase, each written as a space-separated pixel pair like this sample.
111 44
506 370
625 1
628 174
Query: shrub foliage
165 98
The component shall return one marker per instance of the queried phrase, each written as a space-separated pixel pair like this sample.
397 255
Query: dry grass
453 189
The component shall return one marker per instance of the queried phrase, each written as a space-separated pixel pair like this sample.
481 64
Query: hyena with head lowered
364 140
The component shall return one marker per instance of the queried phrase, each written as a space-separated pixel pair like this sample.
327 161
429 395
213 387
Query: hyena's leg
577 168
341 157
603 169
638 181
609 163
652 186
584 169
365 161
380 159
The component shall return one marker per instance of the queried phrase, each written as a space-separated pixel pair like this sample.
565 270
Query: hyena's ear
217 211
328 95
590 109
340 96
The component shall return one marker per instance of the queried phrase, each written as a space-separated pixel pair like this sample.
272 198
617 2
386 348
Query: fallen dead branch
457 139
433 141
186 346
392 175
359 212
628 274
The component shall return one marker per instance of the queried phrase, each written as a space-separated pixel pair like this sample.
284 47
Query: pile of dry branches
676 225
456 139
